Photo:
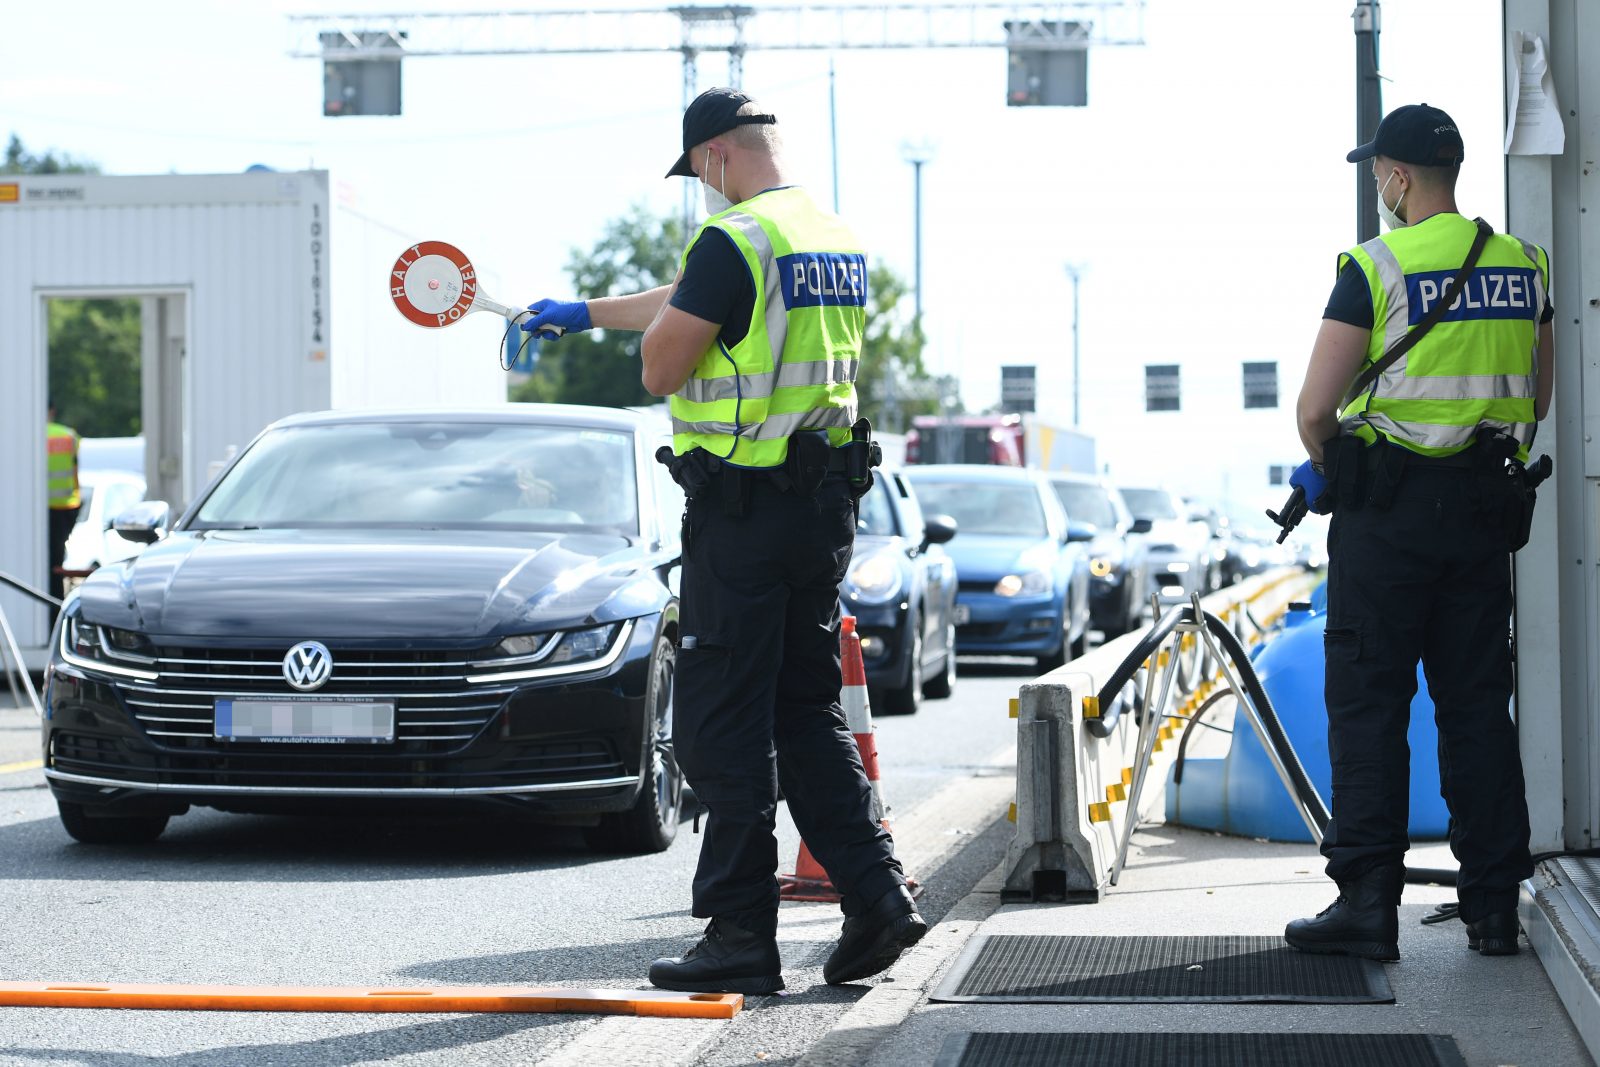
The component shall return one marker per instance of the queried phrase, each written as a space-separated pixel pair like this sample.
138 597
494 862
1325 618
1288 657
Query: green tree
891 352
637 251
94 365
19 161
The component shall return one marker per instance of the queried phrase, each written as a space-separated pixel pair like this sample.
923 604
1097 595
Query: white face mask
716 199
1387 213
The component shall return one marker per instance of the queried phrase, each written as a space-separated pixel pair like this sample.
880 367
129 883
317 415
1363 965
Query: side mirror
937 530
1141 526
145 523
1079 531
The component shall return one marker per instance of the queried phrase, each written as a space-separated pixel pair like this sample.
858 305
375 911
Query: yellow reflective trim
1015 706
1091 707
1012 814
1099 812
1116 792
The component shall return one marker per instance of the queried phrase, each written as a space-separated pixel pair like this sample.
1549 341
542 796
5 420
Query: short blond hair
756 136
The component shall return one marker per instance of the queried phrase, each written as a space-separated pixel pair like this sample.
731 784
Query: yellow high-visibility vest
1477 367
796 367
61 468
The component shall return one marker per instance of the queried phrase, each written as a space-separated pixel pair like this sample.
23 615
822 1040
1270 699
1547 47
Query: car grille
981 631
1163 548
975 587
435 708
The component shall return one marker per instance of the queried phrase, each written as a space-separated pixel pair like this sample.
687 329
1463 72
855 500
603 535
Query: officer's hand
552 318
1314 485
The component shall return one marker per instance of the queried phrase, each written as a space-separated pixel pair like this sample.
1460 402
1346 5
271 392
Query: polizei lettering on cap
823 279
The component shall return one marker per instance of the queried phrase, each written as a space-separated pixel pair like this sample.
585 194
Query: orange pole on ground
809 881
656 1003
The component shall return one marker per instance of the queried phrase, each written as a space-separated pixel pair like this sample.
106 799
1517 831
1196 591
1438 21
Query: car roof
1073 478
973 472
528 414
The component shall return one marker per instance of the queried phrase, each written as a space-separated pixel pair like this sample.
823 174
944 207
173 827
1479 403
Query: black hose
1183 741
1276 735
1110 706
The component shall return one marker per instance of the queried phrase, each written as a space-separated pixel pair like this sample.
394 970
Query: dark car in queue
1118 556
901 587
1022 573
386 612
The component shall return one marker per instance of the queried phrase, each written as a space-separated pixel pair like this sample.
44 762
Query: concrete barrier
1074 788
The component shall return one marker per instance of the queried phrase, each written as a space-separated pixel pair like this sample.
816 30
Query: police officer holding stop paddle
757 343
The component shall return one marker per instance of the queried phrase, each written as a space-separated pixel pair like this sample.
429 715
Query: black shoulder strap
1447 297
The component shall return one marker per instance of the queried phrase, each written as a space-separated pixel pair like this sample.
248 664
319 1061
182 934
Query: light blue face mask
716 198
1387 213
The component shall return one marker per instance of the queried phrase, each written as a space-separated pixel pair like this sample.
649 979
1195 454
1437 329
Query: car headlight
1032 583
875 578
532 656
1104 566
107 650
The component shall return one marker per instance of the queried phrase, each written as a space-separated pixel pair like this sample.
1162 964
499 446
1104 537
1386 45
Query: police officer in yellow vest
757 343
61 482
1423 471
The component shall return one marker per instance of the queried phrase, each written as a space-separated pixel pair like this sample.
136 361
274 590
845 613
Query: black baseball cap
713 112
1418 134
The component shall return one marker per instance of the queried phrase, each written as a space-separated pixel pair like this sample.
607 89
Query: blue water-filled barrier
1241 793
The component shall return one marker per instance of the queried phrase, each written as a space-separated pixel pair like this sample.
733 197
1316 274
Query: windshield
1087 503
985 508
431 475
1152 504
877 512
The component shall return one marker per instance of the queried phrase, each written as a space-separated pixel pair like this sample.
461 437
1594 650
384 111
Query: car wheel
97 830
652 823
943 684
907 700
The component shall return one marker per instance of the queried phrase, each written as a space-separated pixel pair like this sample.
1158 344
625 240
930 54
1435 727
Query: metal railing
11 653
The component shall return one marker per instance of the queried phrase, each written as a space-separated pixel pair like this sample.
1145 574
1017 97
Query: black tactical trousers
1427 578
757 700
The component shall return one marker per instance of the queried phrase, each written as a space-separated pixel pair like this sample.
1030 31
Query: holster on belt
1342 465
1510 486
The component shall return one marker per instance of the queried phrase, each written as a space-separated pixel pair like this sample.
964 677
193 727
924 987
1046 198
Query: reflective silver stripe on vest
1397 322
775 426
777 313
1459 387
1433 435
758 386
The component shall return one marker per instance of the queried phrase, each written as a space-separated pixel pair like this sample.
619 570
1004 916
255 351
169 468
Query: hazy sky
1204 188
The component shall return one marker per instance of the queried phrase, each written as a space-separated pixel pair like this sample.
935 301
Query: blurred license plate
301 721
963 614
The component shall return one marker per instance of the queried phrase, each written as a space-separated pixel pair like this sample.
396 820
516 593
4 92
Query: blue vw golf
1023 572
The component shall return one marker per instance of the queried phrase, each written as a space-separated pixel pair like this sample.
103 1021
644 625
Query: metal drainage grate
1199 1050
1043 970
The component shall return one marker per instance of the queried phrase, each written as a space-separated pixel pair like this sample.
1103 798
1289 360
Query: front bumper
1008 626
885 643
572 746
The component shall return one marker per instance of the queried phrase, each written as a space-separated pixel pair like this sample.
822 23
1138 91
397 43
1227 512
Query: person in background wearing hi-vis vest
1424 470
64 494
757 342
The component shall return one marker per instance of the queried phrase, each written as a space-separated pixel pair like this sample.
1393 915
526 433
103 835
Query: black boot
873 940
1494 935
728 959
1364 921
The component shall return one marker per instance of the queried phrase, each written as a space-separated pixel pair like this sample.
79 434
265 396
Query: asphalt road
267 901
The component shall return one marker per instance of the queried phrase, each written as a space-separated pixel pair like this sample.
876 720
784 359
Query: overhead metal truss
734 29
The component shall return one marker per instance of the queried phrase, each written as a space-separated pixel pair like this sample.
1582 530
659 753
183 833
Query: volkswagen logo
308 666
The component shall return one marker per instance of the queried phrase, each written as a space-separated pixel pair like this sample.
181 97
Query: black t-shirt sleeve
1351 299
715 277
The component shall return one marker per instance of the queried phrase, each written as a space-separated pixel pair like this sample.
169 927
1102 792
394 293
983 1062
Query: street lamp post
1075 271
916 153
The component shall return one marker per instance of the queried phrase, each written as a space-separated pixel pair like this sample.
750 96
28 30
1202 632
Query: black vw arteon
387 610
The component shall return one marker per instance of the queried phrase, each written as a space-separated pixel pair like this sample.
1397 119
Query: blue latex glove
1314 486
552 318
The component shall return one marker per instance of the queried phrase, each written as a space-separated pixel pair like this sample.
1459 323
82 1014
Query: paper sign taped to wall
1535 127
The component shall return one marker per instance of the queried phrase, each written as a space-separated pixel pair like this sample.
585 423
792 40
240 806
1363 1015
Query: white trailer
261 297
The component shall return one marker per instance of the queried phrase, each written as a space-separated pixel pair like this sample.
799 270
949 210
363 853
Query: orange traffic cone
809 881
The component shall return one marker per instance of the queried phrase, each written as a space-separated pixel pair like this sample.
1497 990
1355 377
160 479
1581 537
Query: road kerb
874 1017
